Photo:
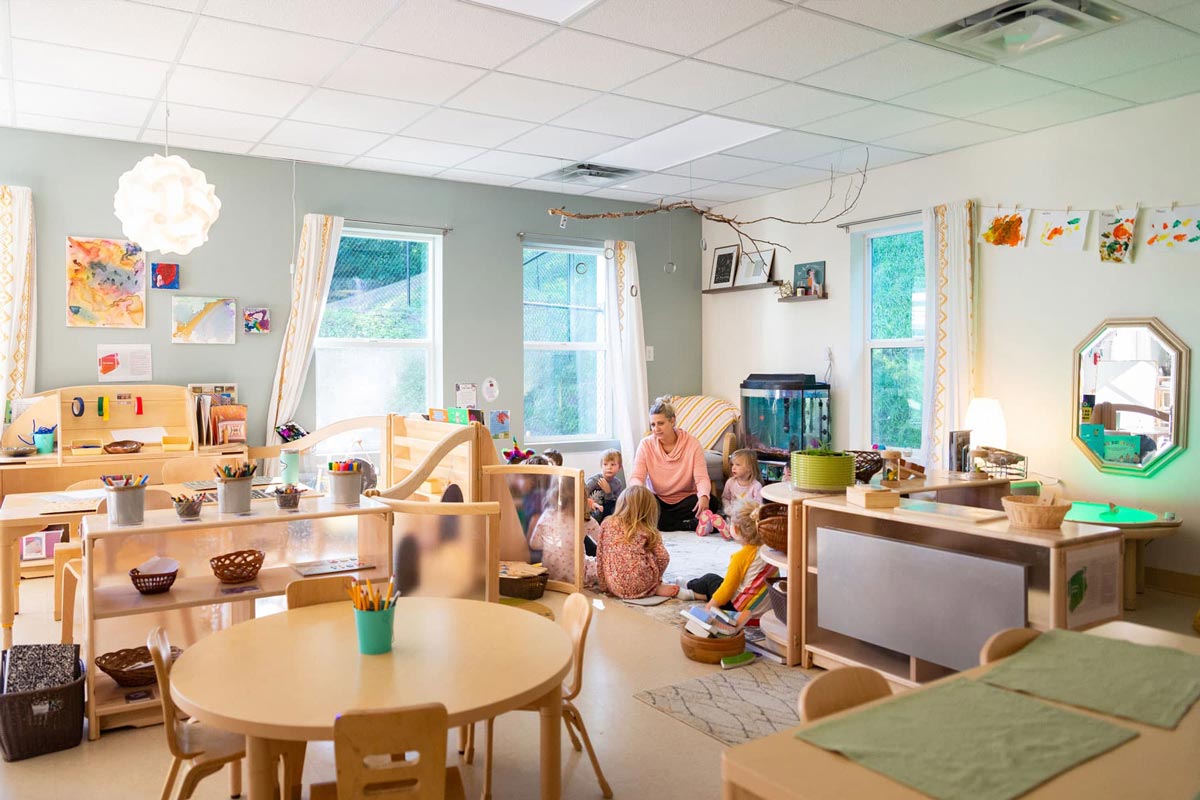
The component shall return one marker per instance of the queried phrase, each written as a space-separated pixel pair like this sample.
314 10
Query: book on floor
767 651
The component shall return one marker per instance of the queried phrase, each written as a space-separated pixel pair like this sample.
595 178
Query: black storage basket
43 720
777 592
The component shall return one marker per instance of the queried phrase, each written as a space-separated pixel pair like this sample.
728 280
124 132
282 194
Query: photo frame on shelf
809 279
724 267
754 269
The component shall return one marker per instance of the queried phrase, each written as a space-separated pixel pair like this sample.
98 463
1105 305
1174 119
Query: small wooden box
176 443
871 497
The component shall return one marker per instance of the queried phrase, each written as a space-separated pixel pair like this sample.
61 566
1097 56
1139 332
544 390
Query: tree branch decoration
850 198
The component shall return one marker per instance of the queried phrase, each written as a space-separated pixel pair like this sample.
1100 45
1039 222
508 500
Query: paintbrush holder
126 504
344 488
233 495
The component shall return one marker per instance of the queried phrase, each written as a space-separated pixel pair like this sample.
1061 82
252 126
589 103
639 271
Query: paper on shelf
151 435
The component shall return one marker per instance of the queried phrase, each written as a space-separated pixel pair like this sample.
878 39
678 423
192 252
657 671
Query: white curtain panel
17 296
626 346
319 239
949 325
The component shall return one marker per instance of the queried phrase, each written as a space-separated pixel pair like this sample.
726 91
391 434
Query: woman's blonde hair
745 520
637 510
662 405
751 459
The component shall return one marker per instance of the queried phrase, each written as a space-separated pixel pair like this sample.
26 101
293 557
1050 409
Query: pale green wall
249 249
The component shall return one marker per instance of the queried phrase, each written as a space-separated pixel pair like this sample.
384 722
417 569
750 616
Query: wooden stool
63 552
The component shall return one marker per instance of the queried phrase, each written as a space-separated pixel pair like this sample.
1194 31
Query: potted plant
822 468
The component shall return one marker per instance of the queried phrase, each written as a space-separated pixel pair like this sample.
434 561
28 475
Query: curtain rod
847 225
443 228
522 235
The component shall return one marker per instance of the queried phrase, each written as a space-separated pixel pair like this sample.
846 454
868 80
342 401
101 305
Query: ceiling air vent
1019 27
591 174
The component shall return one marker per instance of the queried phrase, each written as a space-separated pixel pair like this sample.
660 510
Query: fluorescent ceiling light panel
695 138
553 10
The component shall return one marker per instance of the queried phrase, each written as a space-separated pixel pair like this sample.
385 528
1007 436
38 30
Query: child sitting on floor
746 566
604 487
631 557
743 486
555 535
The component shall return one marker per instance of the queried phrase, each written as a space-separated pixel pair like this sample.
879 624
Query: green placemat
967 741
1154 685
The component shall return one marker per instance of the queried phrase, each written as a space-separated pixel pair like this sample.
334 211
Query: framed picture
725 260
809 279
755 268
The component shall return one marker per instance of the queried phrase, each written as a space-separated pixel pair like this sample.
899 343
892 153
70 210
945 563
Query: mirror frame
1179 435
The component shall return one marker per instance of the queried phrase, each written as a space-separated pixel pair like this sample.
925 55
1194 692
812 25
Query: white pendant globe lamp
164 203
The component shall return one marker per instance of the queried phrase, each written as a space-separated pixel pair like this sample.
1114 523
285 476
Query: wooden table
286 677
1158 763
1138 526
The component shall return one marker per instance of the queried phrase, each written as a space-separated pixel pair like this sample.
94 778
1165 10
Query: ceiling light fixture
164 203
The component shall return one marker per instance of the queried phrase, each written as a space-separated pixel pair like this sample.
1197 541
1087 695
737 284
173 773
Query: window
895 346
376 349
566 386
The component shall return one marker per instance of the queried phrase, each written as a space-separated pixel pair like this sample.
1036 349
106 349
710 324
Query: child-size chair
1004 643
839 689
315 591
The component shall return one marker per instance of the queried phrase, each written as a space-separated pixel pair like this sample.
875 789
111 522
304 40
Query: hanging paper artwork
1003 227
203 320
1175 228
256 320
1116 235
106 284
1065 230
164 276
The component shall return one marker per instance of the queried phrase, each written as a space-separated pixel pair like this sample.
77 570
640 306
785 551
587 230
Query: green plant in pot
822 468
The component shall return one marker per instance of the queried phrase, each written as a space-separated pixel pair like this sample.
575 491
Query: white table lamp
985 420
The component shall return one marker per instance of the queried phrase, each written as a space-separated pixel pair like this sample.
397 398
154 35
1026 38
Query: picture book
228 424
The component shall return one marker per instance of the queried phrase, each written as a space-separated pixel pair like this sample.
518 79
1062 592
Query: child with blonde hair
743 486
554 535
745 566
630 556
605 486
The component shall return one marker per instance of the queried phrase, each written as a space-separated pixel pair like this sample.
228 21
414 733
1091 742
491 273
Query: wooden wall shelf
768 285
802 298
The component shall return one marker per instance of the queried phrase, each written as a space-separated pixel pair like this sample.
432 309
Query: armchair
713 422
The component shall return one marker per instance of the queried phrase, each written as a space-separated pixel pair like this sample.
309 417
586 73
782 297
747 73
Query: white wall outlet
649 352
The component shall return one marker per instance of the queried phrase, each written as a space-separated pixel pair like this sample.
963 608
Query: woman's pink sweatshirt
675 475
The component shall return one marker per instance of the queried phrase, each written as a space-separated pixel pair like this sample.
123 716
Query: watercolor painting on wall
106 284
203 320
256 320
1116 235
1065 230
1174 228
1003 227
164 276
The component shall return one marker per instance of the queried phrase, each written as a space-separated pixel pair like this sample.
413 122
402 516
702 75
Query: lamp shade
985 420
165 204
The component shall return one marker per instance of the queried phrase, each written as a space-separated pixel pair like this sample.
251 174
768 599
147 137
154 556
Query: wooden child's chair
1004 643
316 591
359 735
839 689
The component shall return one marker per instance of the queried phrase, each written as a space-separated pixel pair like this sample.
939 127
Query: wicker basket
1029 512
43 720
772 525
152 583
530 587
237 567
132 667
866 464
711 650
778 594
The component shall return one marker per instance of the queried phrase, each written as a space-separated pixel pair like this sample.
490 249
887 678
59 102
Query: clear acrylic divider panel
440 556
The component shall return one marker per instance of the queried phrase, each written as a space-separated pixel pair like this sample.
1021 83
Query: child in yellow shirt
744 566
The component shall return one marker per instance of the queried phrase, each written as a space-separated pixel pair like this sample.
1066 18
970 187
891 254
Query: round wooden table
285 678
1138 526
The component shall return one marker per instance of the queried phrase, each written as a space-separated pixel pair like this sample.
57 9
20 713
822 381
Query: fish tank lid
790 380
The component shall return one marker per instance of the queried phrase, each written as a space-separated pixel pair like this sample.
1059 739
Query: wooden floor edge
1171 581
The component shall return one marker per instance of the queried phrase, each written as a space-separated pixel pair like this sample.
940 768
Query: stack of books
713 623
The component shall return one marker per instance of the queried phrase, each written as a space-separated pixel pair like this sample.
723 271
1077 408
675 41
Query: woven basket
530 587
711 650
778 594
42 720
152 583
866 464
132 667
237 567
1028 512
772 525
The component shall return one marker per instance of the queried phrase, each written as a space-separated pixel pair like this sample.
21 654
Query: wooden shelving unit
802 298
768 285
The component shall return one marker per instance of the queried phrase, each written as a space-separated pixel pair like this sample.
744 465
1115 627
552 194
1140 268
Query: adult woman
670 462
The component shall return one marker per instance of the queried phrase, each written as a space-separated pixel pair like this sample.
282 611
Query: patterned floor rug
734 706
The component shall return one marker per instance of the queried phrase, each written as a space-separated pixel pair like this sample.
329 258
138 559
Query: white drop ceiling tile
401 77
659 183
679 26
179 5
251 50
978 92
554 186
518 164
902 18
895 70
213 122
190 140
1187 16
795 44
947 136
113 26
789 147
853 159
622 116
86 69
398 167
1053 109
420 151
792 105
55 101
77 127
329 138
687 141
1134 45
463 127
300 154
730 192
873 123
787 177
720 168
457 31
348 20
472 176
625 194
548 140
1156 7
591 61
522 98
552 10
205 87
359 110
695 84
1154 83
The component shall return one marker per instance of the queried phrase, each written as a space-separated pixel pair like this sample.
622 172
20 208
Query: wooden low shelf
831 650
726 289
802 298
776 558
113 711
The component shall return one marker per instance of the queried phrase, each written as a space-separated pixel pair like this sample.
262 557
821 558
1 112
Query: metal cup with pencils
374 615
345 482
126 498
234 488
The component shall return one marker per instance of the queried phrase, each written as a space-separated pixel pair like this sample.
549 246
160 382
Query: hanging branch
735 224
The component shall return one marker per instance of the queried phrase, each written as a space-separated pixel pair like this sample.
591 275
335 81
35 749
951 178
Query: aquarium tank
782 413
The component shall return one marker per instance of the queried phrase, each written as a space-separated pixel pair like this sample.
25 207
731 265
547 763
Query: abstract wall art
1003 227
106 284
203 320
1173 228
1116 235
1065 230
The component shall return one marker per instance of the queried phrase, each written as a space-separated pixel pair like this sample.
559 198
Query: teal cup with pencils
345 482
374 616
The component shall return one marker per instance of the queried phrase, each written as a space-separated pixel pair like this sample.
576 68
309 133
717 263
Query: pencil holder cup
344 488
374 630
288 501
188 509
44 442
233 495
289 463
126 504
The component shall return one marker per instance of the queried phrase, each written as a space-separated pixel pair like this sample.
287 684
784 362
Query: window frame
604 397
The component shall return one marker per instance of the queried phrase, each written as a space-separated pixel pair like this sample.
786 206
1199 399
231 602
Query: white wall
1035 305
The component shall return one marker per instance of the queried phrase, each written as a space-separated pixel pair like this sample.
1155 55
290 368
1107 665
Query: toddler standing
743 486
605 487
630 556
745 566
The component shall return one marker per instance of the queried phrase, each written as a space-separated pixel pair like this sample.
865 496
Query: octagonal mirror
1131 396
